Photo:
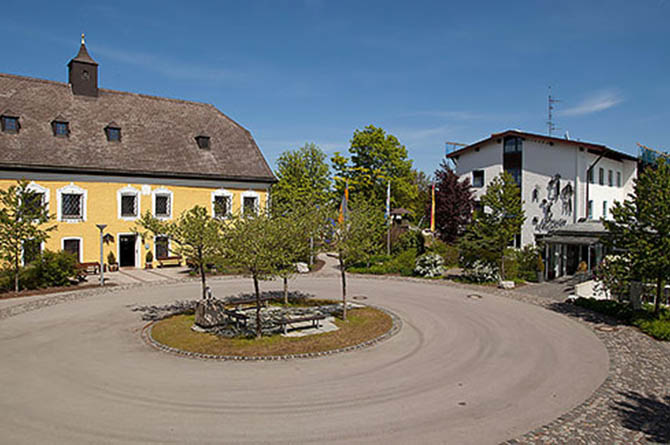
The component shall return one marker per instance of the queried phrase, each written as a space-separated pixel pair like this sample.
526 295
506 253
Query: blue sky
314 70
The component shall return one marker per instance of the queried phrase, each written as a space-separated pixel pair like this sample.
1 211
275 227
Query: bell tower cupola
83 73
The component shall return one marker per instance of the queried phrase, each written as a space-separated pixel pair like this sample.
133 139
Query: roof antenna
82 39
550 117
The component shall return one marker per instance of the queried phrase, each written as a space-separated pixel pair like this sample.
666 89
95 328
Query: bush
448 252
511 265
149 257
480 272
429 265
530 263
402 264
50 269
657 326
412 239
56 268
111 258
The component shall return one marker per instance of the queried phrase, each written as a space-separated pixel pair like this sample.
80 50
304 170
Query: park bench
237 317
86 269
250 301
168 261
315 319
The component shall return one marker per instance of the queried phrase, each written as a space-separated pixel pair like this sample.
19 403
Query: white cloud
598 101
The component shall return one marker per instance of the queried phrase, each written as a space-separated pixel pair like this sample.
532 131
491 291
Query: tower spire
83 41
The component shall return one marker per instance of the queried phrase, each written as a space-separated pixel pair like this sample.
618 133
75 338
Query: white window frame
71 189
169 245
227 194
36 188
250 194
81 246
128 191
162 192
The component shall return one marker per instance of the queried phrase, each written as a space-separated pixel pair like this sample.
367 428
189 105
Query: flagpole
388 216
432 209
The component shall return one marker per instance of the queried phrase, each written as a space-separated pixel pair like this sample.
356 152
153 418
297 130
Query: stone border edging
395 328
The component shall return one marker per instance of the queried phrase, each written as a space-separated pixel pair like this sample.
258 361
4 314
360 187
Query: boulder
302 267
506 285
210 313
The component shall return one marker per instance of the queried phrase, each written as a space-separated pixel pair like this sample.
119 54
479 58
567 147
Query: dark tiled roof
158 134
83 56
598 148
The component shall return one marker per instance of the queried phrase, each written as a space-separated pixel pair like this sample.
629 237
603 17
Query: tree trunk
258 308
344 288
659 295
202 273
502 266
285 290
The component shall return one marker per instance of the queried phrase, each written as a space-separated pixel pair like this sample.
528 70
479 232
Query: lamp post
102 263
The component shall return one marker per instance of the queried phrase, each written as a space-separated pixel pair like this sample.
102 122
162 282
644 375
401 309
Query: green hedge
657 326
50 269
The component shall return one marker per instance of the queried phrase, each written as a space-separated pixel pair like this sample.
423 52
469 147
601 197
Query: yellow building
99 156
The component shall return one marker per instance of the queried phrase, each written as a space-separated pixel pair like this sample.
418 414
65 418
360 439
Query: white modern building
563 182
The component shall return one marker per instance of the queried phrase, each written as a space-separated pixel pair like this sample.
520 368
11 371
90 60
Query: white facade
553 178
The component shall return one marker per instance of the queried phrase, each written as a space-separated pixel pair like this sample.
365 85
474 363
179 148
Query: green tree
196 236
255 244
376 157
22 218
641 226
356 238
303 177
494 227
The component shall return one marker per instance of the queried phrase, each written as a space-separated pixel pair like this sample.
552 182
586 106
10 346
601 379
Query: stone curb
395 328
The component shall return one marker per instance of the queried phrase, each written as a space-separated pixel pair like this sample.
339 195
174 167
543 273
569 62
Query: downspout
588 170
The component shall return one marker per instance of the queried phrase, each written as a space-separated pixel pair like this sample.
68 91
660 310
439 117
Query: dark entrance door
127 250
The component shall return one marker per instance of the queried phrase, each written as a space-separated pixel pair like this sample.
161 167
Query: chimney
83 73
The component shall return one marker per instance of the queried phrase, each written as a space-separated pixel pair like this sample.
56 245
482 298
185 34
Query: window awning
566 239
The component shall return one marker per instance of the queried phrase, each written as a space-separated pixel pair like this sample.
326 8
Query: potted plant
149 259
111 261
540 269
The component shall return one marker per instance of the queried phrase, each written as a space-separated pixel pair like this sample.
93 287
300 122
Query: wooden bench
315 319
92 268
237 317
252 301
169 261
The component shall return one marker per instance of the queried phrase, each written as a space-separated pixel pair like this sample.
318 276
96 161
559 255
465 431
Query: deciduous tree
195 236
23 216
255 244
376 157
355 238
303 177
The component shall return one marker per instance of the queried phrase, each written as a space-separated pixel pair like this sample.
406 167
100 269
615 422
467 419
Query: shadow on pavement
584 314
648 415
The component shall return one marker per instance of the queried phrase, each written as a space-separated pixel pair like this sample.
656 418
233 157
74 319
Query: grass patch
363 324
657 326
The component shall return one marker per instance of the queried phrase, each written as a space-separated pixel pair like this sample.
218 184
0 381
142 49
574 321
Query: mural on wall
558 200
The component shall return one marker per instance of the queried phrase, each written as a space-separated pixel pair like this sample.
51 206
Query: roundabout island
458 370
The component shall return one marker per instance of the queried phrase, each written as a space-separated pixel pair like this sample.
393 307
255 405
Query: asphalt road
460 371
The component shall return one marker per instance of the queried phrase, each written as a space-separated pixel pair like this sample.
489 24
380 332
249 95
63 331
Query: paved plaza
461 370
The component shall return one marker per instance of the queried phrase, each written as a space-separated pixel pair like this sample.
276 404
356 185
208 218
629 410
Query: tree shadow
587 315
648 415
